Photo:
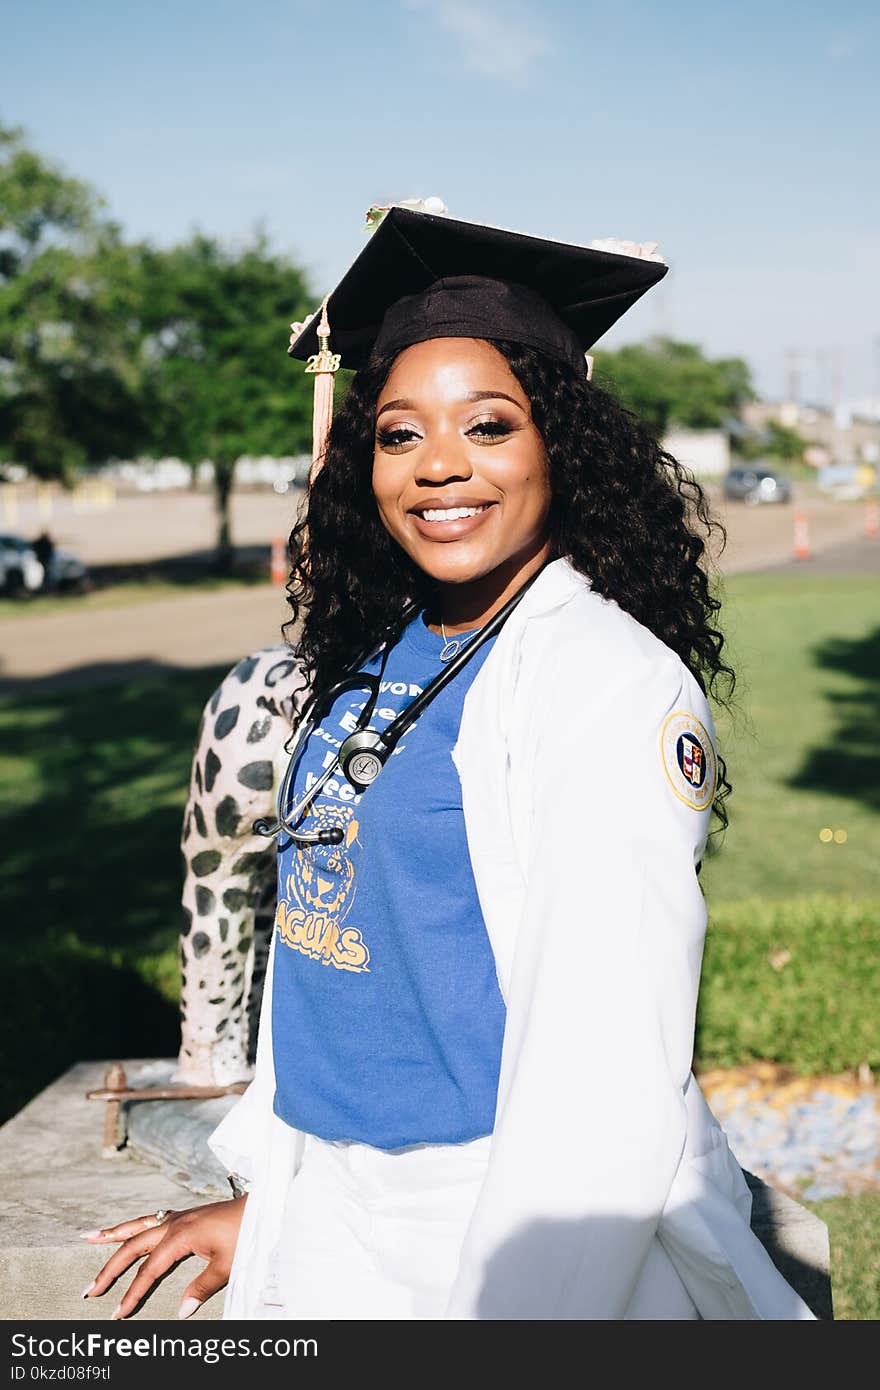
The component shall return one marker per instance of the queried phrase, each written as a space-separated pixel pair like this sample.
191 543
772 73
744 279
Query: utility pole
837 365
793 376
822 397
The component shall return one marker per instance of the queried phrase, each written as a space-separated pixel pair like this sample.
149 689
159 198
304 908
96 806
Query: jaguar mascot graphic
319 893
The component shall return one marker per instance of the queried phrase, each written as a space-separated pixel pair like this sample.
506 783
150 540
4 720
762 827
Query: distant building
703 452
842 435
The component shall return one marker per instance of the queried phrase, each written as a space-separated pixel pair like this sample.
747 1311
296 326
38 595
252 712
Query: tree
670 383
218 383
774 441
69 333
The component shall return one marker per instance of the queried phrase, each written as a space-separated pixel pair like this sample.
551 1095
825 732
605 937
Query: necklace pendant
450 649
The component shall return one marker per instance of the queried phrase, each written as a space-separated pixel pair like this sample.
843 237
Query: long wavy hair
623 511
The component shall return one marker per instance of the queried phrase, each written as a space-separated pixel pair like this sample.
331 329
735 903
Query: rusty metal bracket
116 1090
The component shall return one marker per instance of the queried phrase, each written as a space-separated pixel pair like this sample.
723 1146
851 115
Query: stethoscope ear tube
363 754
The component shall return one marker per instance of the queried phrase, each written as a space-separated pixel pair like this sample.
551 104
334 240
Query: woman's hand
210 1232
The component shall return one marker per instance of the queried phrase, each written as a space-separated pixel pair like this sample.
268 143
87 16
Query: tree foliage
668 383
110 349
775 440
217 381
69 381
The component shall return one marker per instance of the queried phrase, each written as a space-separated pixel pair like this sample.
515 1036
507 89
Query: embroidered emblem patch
688 759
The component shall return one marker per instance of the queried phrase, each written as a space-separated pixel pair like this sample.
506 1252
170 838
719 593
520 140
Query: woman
473 1095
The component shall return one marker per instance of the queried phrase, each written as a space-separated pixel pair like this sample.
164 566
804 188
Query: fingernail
88 1235
117 1312
188 1307
88 1288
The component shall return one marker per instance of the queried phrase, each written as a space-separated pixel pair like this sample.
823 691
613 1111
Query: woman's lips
450 530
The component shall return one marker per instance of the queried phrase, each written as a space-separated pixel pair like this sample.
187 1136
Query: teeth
452 513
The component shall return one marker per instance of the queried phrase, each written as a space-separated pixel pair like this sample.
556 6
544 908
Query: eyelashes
492 429
483 429
390 439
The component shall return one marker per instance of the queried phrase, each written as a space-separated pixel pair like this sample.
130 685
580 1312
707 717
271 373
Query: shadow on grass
67 1005
850 764
92 786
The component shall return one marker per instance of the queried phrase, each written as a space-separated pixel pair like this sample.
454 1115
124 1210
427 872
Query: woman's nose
441 462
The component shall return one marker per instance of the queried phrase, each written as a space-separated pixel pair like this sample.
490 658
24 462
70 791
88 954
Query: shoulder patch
689 759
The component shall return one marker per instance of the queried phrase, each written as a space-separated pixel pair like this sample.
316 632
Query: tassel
324 365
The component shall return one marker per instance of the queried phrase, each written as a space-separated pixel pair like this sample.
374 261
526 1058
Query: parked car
756 485
20 570
29 567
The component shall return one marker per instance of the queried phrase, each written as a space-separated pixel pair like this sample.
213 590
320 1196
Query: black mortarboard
426 276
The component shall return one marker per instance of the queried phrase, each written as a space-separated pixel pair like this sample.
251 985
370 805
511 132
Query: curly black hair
623 511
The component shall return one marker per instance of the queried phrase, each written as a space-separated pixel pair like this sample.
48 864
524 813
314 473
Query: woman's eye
392 439
490 429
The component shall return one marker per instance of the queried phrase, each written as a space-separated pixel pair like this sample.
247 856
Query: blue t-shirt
387 1019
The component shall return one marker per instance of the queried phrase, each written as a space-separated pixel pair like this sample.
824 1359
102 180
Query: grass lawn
854 1231
792 981
803 743
92 791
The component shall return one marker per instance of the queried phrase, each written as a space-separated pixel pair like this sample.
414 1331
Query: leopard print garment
229 872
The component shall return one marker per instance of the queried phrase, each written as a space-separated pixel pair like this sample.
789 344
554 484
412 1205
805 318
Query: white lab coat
610 1191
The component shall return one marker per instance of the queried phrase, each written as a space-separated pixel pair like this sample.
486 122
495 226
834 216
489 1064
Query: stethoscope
362 755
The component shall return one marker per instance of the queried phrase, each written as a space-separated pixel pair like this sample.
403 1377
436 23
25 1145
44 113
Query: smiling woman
473 1095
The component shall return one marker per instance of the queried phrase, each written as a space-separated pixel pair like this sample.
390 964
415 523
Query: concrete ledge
796 1241
53 1183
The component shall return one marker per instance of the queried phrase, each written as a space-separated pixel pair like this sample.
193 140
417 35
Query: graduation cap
425 275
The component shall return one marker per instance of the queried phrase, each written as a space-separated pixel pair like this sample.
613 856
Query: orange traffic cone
872 519
801 536
278 568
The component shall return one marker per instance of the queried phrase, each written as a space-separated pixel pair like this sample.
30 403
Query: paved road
88 646
94 646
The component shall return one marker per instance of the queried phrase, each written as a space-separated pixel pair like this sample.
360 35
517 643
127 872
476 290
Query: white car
19 567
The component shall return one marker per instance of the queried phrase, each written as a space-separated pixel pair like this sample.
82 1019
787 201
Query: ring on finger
160 1216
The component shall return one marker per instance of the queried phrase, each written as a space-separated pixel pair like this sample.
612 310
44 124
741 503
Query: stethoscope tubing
287 821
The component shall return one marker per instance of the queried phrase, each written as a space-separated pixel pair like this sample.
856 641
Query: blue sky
741 137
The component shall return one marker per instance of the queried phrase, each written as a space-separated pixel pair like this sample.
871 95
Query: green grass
854 1232
803 745
92 796
816 1011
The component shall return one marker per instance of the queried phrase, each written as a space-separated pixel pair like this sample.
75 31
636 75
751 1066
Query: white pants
373 1234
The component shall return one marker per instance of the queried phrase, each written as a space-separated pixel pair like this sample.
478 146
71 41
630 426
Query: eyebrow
403 404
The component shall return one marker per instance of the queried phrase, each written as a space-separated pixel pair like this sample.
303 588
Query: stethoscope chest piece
362 756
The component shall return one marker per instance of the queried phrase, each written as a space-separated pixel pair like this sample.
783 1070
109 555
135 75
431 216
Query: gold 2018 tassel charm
324 365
